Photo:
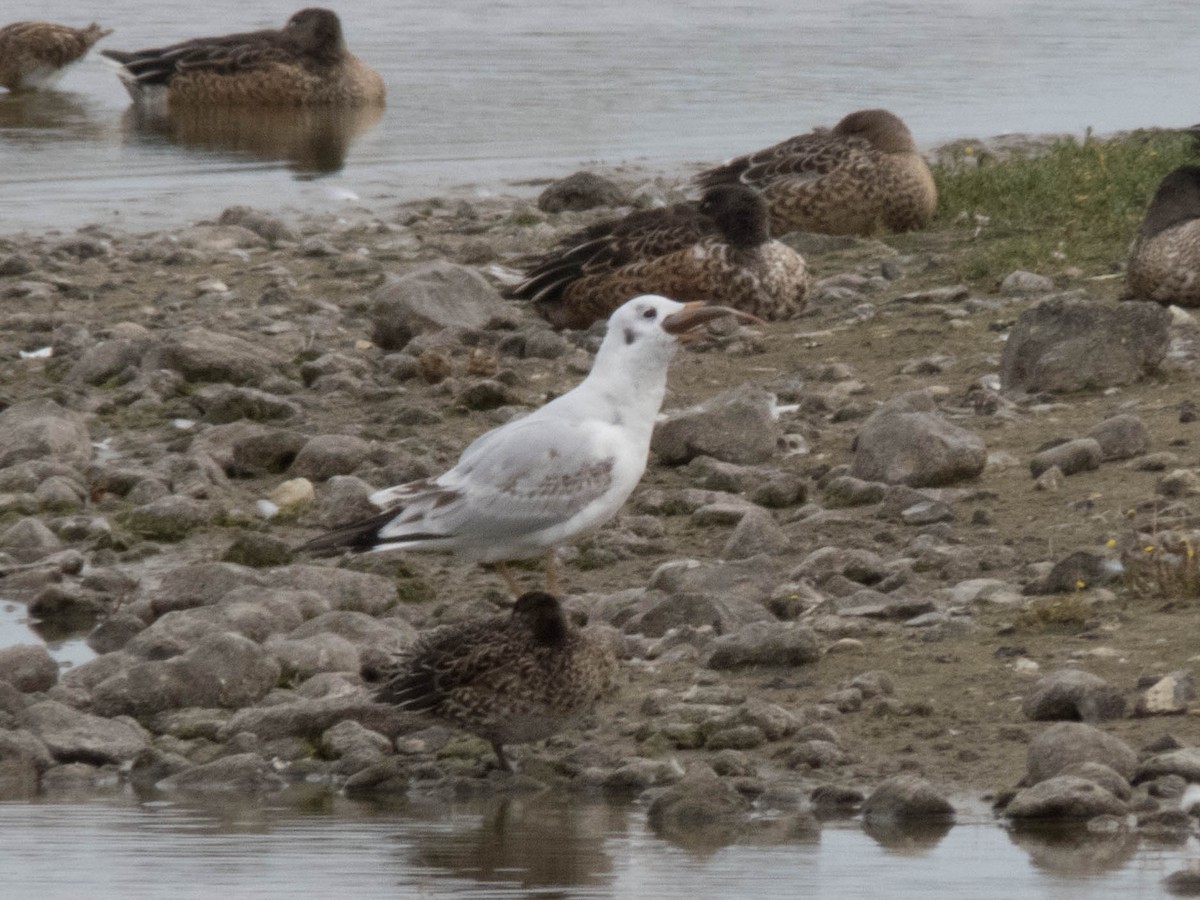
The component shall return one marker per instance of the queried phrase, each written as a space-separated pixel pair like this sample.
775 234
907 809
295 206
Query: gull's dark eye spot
629 336
649 313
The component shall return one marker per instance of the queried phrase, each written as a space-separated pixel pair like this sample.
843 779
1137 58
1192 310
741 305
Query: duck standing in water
1164 265
862 175
719 250
305 63
509 679
34 55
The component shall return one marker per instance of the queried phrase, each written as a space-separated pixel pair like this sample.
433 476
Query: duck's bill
693 315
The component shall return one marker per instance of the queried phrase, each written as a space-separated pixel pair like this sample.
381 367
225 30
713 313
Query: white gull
544 480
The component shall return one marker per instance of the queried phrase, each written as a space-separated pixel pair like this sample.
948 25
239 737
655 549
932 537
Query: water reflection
31 117
65 638
547 845
534 842
907 838
1075 850
311 142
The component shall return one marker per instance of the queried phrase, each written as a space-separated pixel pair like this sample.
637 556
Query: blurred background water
482 94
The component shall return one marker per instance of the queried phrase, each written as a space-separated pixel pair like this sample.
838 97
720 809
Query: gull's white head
654 321
644 332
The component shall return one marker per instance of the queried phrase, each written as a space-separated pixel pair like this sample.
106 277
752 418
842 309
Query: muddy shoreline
182 408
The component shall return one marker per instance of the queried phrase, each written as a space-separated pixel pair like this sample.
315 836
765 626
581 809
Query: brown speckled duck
305 63
508 679
1164 265
35 55
718 250
862 175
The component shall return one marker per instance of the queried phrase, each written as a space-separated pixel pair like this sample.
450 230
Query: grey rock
43 430
430 298
343 500
115 632
1121 437
1073 695
354 746
1179 483
580 191
907 798
105 361
485 394
1020 283
15 264
23 759
28 540
1184 762
201 584
266 226
223 403
28 667
74 736
342 589
386 636
865 567
1064 797
907 442
636 775
656 614
700 808
203 355
312 718
1079 455
153 765
847 491
302 658
1169 696
242 774
219 239
1103 776
763 644
737 427
223 670
1072 344
545 344
327 455
1076 571
169 518
755 533
1071 743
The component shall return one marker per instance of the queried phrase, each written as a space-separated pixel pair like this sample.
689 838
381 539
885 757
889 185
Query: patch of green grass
1075 203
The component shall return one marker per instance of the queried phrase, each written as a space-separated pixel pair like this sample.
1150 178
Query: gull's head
651 322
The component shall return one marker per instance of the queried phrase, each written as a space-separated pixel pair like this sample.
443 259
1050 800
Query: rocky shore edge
822 519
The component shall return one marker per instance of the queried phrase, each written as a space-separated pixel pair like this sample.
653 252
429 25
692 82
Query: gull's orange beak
682 324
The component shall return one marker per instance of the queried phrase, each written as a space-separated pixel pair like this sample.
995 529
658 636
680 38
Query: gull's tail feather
359 536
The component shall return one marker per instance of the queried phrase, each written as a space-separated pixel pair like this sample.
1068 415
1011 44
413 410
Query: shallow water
534 846
485 92
66 641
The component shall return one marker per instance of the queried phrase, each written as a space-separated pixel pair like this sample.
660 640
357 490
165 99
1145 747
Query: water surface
531 847
484 92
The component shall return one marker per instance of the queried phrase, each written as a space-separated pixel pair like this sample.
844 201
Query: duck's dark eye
649 313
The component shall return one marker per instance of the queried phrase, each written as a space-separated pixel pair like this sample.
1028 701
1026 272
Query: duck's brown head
885 130
740 212
543 615
317 33
1176 201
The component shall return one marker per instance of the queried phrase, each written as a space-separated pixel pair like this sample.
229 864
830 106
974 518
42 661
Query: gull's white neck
627 384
